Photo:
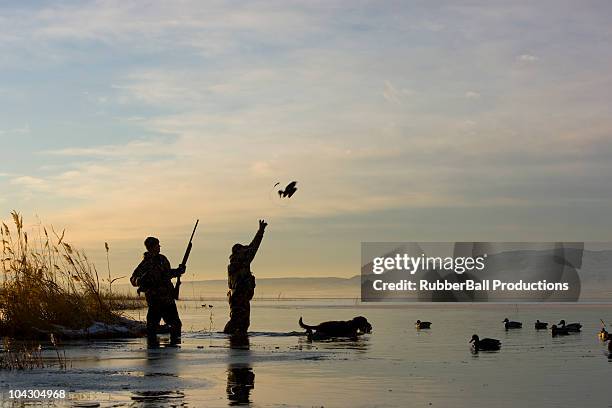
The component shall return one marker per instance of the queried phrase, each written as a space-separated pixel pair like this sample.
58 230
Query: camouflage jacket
153 276
239 274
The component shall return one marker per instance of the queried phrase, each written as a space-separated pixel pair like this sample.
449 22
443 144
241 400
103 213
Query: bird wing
291 189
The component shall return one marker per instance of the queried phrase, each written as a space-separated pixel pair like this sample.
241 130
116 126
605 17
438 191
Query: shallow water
395 365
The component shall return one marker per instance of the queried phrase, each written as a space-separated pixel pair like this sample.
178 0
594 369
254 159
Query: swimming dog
339 328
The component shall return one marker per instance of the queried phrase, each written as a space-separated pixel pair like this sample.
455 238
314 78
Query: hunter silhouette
241 283
153 277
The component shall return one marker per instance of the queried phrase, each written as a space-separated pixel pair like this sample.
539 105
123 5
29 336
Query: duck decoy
485 344
541 325
572 327
559 331
422 325
512 325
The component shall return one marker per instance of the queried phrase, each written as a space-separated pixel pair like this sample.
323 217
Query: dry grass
47 283
28 355
123 301
20 357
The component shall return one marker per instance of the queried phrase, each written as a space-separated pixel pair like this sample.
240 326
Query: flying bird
288 191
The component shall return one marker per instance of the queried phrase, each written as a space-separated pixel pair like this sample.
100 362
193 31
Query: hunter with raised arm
241 283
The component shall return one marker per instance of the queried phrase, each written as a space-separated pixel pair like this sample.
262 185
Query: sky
401 121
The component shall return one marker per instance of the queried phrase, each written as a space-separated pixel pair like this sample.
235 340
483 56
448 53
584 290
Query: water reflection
360 344
240 375
159 398
161 373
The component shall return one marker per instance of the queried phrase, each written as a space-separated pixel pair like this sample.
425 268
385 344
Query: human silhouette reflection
240 375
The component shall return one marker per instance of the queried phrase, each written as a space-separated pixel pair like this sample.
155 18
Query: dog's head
362 324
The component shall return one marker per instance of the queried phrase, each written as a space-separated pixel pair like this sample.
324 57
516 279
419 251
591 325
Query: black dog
342 328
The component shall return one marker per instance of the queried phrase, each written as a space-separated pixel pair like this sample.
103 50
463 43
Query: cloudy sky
400 120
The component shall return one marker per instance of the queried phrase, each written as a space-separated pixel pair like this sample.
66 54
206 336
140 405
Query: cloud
472 95
21 130
527 58
29 182
393 94
134 149
160 87
51 34
262 168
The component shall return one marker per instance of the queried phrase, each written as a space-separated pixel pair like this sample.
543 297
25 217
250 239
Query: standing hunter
241 283
153 276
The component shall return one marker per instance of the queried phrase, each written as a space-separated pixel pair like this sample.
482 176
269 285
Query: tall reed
47 283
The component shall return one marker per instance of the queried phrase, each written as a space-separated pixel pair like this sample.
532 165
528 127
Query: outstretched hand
181 269
262 224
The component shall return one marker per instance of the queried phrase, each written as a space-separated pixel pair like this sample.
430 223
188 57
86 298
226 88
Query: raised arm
254 245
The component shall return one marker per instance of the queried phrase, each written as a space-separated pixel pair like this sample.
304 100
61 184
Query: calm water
393 366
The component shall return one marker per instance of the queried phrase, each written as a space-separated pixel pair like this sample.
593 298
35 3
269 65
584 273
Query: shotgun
177 287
